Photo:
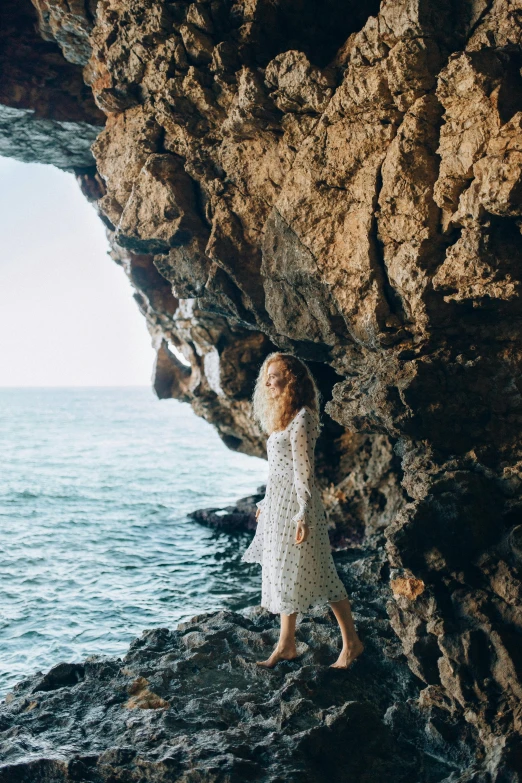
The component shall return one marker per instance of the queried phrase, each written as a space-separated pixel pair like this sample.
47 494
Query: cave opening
320 29
68 315
317 29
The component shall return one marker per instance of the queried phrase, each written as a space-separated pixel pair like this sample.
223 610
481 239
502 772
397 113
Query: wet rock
191 703
241 516
60 676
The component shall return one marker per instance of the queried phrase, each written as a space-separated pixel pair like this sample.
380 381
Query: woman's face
275 381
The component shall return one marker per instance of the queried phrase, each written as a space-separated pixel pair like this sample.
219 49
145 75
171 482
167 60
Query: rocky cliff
343 181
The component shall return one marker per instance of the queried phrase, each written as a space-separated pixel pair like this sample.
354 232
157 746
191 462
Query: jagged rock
190 704
69 24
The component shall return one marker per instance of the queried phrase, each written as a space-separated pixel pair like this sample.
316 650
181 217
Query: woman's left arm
302 438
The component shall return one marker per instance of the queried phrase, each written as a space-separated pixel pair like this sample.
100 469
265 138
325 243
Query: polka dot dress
295 576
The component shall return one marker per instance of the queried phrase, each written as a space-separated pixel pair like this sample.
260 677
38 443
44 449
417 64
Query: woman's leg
352 645
285 649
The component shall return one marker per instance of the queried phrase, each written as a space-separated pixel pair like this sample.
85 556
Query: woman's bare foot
347 656
279 654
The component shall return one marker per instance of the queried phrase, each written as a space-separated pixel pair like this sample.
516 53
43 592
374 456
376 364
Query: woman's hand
258 512
302 531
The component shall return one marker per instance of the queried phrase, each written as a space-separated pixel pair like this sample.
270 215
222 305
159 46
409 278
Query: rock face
342 181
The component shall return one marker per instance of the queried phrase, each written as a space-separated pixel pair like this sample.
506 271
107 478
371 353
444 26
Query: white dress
295 576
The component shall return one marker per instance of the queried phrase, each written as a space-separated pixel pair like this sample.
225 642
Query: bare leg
285 649
352 645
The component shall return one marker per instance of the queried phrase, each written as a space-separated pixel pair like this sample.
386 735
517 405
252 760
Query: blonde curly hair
299 390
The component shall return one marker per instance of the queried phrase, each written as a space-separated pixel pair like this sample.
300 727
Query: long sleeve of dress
302 439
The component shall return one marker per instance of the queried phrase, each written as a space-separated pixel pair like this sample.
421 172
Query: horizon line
82 386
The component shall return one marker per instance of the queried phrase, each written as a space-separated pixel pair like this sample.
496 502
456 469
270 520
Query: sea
96 545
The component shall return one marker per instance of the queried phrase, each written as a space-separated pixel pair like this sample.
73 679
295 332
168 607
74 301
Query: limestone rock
69 24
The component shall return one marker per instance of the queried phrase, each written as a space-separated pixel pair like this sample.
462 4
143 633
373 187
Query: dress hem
292 609
251 560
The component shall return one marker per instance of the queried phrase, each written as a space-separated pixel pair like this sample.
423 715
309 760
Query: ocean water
95 543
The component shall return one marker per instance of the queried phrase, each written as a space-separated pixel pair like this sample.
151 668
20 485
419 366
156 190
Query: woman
291 540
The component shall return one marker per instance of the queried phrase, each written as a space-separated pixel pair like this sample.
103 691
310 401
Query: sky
67 316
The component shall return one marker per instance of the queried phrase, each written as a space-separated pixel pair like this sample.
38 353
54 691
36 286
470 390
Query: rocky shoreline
191 705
